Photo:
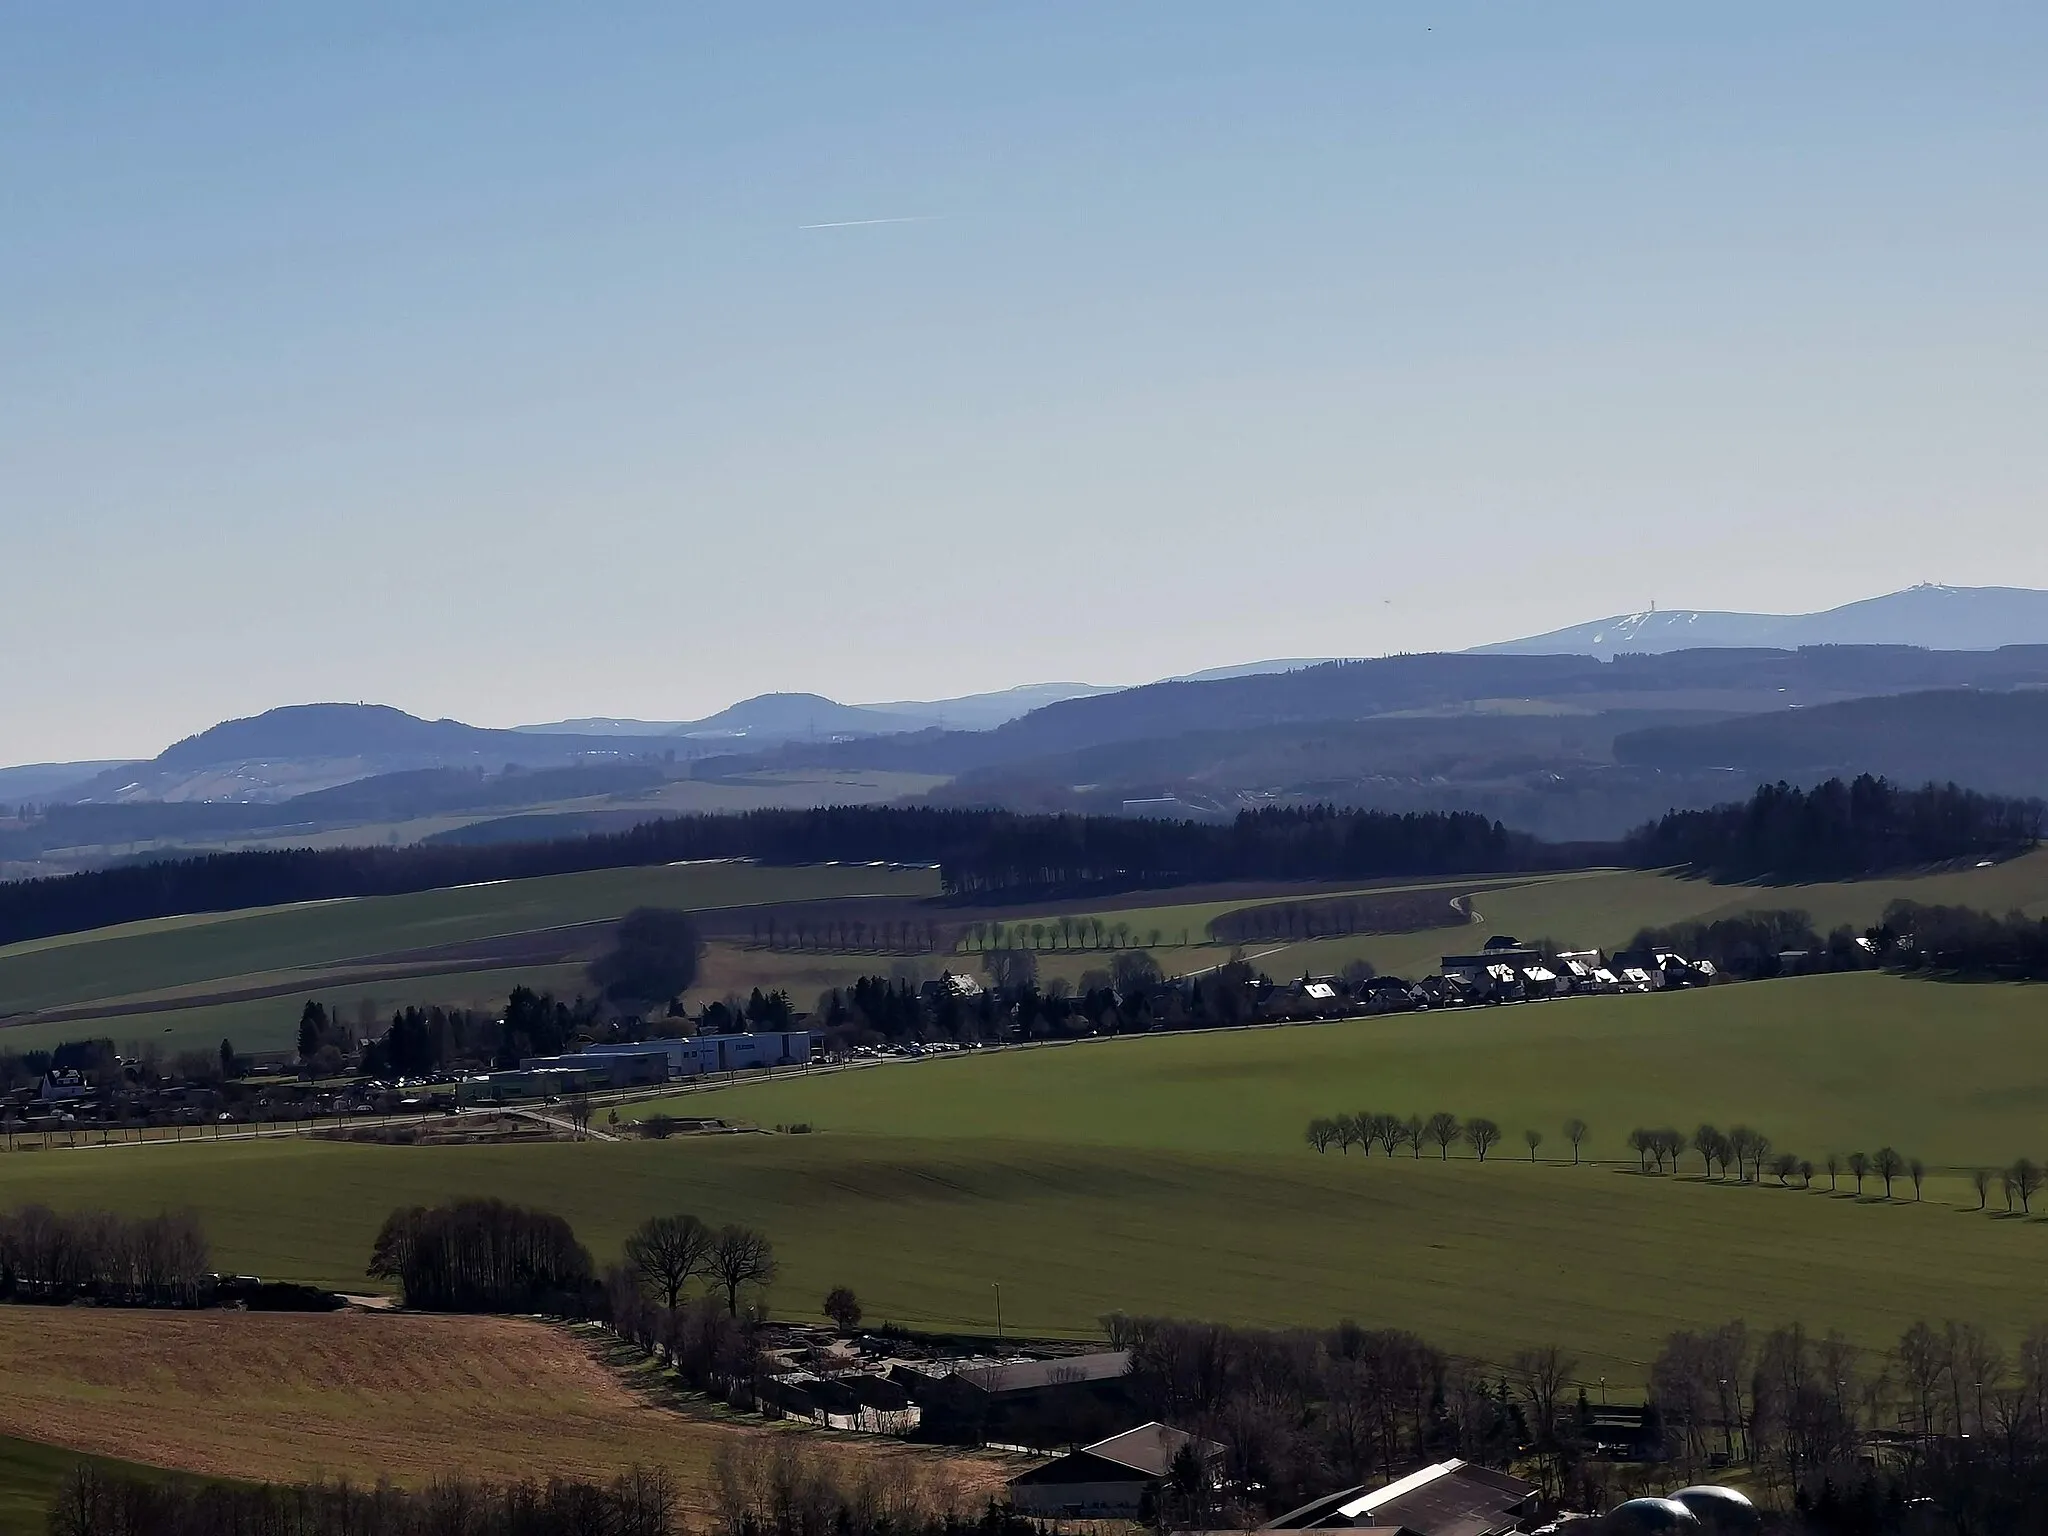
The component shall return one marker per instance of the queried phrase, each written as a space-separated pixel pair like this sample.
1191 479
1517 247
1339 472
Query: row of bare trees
666 1253
1065 932
1749 1156
797 931
760 1486
1442 1130
710 1340
160 1260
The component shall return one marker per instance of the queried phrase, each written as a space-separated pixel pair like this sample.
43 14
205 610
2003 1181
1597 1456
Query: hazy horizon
510 366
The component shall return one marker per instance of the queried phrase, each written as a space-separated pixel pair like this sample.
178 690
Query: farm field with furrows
363 1395
1169 1174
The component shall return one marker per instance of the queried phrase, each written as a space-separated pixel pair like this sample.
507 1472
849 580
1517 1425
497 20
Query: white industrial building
703 1055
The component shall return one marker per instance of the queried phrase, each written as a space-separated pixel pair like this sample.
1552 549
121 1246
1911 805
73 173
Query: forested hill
1994 741
1838 831
980 854
1725 681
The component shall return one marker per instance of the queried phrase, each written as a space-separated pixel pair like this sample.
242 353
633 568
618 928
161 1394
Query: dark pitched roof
1150 1448
1080 1467
1452 1498
1144 1454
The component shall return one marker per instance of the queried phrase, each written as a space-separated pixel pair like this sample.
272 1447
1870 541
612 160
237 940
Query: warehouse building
702 1055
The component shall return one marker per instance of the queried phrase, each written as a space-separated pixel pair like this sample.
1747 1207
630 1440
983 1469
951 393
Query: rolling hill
1997 742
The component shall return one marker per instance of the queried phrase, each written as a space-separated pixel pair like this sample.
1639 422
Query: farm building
1023 1402
1451 1498
858 1400
1112 1479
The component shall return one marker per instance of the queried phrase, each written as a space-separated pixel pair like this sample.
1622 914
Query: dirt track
359 1394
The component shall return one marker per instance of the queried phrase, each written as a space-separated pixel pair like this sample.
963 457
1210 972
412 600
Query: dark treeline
981 854
1395 912
1837 831
158 1260
1128 996
1755 945
711 1349
1303 1411
1964 940
96 1502
1946 1431
423 1040
483 1256
770 1486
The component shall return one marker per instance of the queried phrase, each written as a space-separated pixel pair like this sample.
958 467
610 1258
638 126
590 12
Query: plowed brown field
364 1395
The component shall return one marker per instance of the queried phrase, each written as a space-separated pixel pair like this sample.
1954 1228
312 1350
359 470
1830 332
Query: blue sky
475 359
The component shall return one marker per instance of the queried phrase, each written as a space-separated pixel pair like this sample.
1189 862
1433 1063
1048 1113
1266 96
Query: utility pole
999 1311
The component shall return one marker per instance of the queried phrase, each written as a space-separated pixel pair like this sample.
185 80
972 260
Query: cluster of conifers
1442 1130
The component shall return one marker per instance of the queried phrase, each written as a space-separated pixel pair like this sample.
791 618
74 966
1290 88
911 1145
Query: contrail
915 218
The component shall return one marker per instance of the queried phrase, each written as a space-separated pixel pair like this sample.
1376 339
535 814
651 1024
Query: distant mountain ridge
301 748
794 716
1930 616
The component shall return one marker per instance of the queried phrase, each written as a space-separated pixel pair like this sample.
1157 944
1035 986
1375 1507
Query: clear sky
488 359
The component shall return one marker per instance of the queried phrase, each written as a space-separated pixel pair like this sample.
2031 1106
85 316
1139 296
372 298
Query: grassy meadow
1168 1173
333 949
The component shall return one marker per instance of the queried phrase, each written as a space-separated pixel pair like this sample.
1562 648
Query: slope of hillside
1997 742
1930 616
302 748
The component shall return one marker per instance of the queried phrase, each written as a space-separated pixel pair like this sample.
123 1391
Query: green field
1167 1173
1949 1072
326 947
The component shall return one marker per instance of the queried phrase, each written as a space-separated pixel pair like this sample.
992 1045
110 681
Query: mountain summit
1933 617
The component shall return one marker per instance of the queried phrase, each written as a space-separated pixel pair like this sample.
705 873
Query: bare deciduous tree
1541 1374
740 1257
667 1252
1535 1140
1443 1129
1482 1135
2026 1182
1888 1165
1575 1132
